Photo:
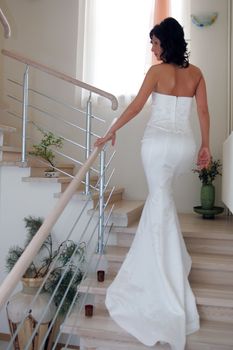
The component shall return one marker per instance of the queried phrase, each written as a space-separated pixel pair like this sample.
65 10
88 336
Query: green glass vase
207 196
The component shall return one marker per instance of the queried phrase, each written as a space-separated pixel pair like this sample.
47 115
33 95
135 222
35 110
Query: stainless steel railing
83 175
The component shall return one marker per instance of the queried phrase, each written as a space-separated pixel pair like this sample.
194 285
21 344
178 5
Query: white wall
45 31
209 50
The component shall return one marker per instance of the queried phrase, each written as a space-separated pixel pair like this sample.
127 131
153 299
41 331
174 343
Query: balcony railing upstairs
36 113
5 24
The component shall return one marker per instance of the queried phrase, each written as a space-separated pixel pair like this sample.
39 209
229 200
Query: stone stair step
116 196
218 262
206 294
10 154
215 302
212 335
10 163
208 261
215 237
38 168
104 331
206 268
213 295
124 213
211 246
212 269
7 128
62 180
65 184
80 195
59 179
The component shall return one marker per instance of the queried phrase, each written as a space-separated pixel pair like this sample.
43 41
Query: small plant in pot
207 176
62 266
66 256
44 150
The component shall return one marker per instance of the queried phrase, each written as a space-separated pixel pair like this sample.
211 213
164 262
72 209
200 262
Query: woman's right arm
134 108
204 155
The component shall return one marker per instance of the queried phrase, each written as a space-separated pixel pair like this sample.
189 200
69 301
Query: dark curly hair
171 36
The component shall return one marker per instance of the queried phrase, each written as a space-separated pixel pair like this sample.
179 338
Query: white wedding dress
151 297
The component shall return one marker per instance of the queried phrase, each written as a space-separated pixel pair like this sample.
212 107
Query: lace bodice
170 112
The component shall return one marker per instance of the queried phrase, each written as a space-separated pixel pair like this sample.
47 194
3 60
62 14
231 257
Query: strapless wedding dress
151 297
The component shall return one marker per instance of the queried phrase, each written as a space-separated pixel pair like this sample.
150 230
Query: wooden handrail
35 244
6 26
62 76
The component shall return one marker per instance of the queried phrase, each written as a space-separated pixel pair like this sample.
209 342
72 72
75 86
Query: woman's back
173 80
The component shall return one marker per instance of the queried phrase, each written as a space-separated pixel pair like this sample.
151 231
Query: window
117 50
117 45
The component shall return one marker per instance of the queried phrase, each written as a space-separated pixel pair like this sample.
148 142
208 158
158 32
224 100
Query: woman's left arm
134 107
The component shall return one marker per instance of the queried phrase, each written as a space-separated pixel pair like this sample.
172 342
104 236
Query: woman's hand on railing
102 140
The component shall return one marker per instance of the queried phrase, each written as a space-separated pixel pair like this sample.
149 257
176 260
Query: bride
151 297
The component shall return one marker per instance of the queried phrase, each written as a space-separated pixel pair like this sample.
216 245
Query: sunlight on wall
120 42
180 9
118 50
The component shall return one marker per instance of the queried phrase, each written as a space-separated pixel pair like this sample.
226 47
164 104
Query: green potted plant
207 176
44 259
65 257
44 149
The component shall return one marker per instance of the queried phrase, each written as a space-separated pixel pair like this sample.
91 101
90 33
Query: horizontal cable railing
61 76
5 24
36 117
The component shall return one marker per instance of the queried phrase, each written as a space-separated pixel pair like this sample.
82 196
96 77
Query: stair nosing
107 326
221 296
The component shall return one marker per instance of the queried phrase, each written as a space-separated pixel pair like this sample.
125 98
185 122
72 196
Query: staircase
210 243
8 154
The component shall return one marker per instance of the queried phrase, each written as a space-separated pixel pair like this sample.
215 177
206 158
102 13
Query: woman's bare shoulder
158 69
195 70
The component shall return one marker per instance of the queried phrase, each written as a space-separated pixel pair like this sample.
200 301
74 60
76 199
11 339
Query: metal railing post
100 245
88 141
25 115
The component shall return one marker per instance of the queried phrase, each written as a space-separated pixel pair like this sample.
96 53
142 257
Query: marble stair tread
194 226
208 261
218 262
36 163
10 149
211 332
95 195
124 213
11 163
126 206
67 179
214 295
107 192
101 325
80 195
7 128
206 294
60 179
